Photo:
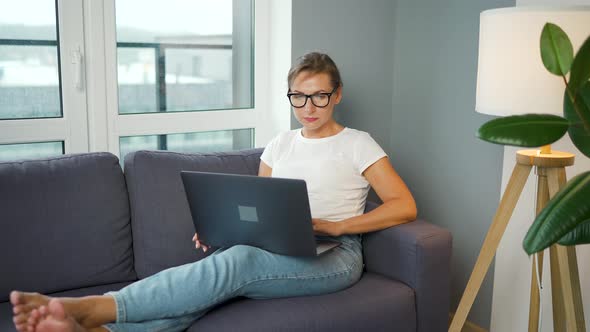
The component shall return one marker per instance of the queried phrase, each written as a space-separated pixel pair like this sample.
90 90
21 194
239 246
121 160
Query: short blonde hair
315 63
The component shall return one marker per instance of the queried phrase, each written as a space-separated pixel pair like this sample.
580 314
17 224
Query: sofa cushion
65 224
375 303
161 219
6 324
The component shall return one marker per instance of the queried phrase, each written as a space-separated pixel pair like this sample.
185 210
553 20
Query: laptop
264 212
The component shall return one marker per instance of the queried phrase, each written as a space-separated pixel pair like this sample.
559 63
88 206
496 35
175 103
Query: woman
339 164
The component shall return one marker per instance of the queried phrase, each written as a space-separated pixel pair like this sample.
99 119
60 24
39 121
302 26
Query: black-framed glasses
320 100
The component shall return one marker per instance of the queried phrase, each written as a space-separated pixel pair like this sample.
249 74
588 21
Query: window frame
71 128
108 125
88 67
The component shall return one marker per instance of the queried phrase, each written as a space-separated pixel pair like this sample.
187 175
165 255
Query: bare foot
91 311
53 318
23 307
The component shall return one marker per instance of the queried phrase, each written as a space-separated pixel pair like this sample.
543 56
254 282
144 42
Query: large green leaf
557 51
580 67
564 212
524 130
578 132
578 235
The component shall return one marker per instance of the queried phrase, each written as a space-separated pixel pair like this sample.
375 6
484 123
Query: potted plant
566 217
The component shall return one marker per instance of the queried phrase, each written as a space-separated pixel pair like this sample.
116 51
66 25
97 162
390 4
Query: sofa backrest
160 215
64 224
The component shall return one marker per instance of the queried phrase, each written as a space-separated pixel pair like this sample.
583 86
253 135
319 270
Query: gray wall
424 54
456 177
358 36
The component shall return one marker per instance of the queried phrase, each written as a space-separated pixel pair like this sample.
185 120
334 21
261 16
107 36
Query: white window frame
71 128
88 57
269 115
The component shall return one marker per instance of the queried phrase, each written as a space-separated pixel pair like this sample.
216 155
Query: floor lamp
512 80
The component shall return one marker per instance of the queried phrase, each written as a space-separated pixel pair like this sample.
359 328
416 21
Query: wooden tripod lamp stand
512 80
567 302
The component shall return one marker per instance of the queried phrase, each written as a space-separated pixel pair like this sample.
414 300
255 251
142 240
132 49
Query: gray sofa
76 225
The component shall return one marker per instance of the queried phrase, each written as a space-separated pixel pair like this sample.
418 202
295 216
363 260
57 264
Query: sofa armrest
418 254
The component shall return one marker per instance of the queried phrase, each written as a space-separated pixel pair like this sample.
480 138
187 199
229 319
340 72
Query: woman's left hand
323 227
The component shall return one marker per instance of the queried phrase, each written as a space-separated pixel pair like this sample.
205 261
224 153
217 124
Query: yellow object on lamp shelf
545 157
545 149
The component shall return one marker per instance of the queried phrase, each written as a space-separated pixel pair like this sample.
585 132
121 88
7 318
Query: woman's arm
398 204
264 169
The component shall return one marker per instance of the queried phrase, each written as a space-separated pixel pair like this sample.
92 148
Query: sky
194 16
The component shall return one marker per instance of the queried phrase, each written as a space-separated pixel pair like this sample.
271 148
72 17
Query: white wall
512 277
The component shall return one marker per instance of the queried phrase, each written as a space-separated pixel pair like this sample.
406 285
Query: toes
20 319
23 309
29 310
33 318
15 298
43 311
30 321
34 313
22 313
18 309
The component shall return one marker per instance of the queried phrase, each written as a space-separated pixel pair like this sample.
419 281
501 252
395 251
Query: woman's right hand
199 244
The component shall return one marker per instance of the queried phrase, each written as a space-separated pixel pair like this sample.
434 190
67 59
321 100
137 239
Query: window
30 150
29 63
204 141
190 60
41 103
120 75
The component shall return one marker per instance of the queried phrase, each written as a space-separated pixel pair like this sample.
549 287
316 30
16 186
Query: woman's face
315 120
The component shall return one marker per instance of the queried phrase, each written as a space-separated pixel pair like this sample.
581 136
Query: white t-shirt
332 168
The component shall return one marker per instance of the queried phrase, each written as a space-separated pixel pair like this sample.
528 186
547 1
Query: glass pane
29 63
29 82
30 150
137 80
184 55
198 79
28 19
207 141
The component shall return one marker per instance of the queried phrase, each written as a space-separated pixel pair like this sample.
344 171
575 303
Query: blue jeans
173 299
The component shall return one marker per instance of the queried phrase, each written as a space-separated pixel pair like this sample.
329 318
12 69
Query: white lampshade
511 78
